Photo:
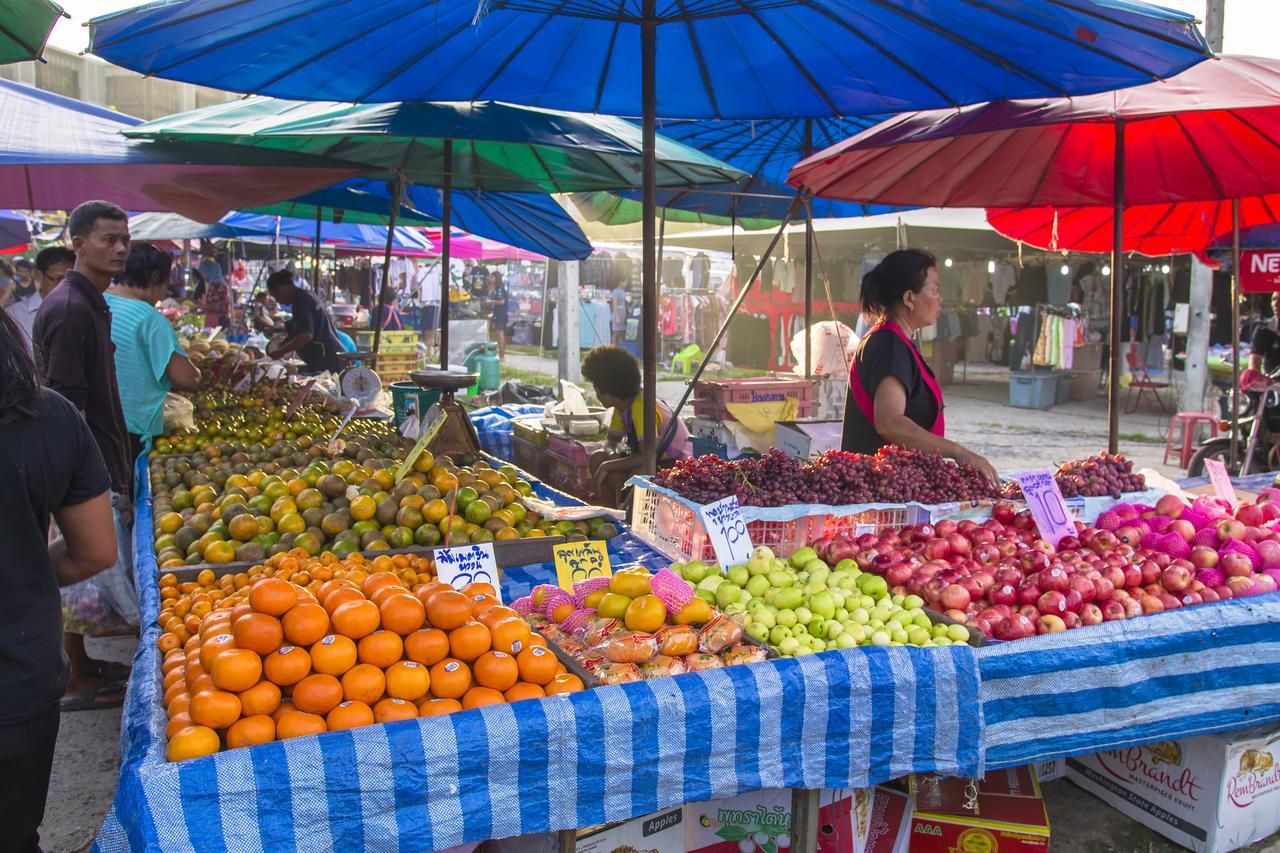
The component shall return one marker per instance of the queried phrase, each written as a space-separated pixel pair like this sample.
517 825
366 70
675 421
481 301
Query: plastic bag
702 662
631 648
179 413
661 666
677 640
719 634
107 601
743 653
617 673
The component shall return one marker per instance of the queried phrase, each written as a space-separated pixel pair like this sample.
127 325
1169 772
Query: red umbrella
1210 132
1154 230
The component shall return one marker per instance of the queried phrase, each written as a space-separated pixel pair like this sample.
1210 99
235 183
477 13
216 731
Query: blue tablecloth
842 719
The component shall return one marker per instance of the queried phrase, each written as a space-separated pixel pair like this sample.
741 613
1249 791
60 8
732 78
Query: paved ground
85 767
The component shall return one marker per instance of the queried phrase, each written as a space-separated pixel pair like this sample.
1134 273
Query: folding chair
1141 381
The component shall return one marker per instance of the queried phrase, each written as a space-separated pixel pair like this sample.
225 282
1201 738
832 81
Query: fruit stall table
849 718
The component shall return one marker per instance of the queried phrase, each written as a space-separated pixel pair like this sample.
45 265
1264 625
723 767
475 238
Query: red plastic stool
1189 421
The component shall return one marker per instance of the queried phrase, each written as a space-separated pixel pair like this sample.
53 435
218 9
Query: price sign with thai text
467 564
1221 480
579 561
727 531
432 421
1044 499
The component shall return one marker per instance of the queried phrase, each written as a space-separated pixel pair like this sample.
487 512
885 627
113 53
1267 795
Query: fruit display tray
509 553
670 523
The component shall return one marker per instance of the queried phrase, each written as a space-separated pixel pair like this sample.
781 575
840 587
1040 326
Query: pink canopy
1151 229
472 248
1211 132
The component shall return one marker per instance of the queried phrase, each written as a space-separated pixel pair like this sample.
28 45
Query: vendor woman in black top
893 396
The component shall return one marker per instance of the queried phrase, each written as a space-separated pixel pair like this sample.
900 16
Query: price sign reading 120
468 564
1044 499
727 531
580 561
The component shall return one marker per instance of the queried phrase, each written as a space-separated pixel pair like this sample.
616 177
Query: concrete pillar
1196 374
569 339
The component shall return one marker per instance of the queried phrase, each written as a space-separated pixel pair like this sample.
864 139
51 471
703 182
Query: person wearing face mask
893 395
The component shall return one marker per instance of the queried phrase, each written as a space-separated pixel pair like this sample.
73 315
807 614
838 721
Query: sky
1251 25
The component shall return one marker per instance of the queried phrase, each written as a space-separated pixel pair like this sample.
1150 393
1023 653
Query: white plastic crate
671 524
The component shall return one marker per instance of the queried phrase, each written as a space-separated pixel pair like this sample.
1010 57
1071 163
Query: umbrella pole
1235 328
1117 286
649 277
808 263
446 219
386 265
315 272
733 311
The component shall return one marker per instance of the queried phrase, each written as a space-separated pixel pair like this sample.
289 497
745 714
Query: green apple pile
801 605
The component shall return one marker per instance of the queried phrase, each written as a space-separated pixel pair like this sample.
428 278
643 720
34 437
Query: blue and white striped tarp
1210 668
843 719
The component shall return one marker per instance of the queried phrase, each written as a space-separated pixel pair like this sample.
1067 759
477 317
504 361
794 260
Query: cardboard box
1008 814
807 438
660 832
1211 793
1051 770
871 820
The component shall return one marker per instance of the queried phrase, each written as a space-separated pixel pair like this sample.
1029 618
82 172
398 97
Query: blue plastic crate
1034 389
708 447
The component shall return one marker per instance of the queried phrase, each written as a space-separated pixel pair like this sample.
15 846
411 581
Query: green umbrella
24 28
610 209
484 146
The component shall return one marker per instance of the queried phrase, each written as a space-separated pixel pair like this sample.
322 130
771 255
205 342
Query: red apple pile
1000 577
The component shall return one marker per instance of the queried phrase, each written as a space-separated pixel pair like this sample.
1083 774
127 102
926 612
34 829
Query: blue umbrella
240 224
732 59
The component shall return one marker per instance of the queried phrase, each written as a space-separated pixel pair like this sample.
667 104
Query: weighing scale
457 436
358 382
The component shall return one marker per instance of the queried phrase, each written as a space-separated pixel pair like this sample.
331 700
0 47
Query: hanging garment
1002 281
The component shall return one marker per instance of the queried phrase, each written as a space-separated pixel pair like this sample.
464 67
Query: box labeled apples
1210 793
1004 813
870 820
660 832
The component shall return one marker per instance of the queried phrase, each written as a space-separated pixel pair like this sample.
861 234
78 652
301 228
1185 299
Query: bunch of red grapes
892 475
1098 476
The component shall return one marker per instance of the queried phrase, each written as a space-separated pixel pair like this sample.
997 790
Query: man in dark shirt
72 337
311 332
1264 355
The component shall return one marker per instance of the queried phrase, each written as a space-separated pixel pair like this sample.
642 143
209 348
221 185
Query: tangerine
177 723
448 609
496 670
339 597
285 708
477 697
467 642
364 683
438 707
428 591
537 665
392 709
317 694
305 624
565 682
273 596
288 665
192 742
236 670
402 613
333 655
356 619
407 679
482 601
251 731
299 723
381 648
214 646
216 709
261 698
349 715
645 614
523 690
378 578
476 587
450 678
510 635
427 646
496 614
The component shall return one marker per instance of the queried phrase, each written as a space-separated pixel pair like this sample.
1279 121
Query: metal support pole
1235 330
396 192
804 820
808 262
446 226
1117 288
724 324
315 260
649 277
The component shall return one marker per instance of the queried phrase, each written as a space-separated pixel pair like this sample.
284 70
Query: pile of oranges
303 645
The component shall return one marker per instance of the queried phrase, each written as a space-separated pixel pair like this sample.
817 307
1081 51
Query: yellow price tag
578 561
428 433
